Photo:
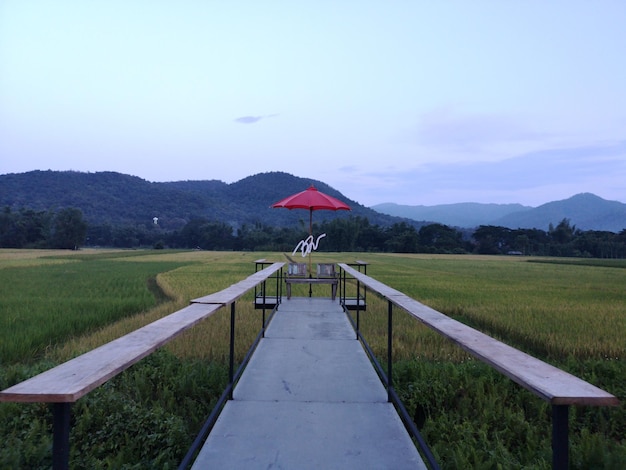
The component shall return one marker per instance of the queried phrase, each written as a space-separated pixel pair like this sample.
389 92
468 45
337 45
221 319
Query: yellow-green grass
571 314
554 309
42 306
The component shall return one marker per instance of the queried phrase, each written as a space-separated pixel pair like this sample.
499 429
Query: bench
297 273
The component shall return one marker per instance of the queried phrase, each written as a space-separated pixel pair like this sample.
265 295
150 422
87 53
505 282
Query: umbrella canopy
313 200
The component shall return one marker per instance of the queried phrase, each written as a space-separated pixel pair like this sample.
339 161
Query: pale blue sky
413 102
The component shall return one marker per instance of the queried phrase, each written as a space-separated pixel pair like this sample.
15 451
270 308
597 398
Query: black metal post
389 351
560 437
263 324
342 287
231 361
61 414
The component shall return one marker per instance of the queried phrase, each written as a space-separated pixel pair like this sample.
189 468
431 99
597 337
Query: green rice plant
569 314
545 309
145 418
46 304
210 339
207 272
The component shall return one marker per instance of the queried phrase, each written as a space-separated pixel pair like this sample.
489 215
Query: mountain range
585 211
115 198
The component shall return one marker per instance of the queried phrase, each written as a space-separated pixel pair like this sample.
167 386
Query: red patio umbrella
313 200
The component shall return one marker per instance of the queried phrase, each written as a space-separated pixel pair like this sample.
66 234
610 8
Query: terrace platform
309 399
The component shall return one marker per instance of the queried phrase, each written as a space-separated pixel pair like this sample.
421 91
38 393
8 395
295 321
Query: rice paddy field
571 313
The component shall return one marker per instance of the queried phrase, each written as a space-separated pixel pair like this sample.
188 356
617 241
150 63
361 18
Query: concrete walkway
309 399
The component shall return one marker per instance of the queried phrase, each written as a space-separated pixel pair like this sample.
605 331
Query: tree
69 229
492 239
439 238
402 238
207 235
562 237
563 233
371 238
216 236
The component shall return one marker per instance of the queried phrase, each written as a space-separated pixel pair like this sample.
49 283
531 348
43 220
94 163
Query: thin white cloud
252 119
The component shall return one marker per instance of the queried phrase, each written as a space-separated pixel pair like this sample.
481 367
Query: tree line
27 228
67 229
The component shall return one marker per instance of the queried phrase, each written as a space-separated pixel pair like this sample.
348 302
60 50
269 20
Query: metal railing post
358 304
389 350
358 311
560 437
61 415
231 360
263 324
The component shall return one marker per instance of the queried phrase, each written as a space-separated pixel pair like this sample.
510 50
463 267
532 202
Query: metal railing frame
261 293
560 412
61 411
387 378
227 394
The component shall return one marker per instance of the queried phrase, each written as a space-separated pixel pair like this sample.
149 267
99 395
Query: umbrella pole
311 234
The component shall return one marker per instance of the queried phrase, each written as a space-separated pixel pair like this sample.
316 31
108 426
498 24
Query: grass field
55 305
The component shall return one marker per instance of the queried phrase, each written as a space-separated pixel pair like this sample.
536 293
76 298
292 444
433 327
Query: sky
407 101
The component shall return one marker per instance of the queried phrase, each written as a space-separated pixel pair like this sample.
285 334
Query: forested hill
117 199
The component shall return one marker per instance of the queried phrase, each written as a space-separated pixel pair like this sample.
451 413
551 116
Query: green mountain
118 199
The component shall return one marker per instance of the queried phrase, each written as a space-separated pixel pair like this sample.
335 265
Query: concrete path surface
309 399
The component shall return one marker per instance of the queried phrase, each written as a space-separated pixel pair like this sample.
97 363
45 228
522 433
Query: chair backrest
326 270
297 270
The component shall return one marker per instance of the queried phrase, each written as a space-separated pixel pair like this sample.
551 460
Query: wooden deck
309 398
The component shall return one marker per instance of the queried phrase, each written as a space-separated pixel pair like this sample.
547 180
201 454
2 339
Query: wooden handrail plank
548 382
75 378
235 291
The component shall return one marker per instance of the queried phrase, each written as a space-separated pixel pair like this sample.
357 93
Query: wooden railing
554 385
68 382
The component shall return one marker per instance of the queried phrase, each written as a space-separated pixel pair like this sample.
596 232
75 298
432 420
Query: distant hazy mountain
586 211
465 214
